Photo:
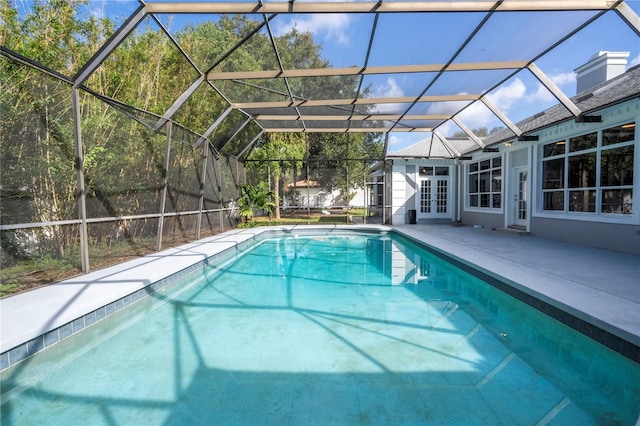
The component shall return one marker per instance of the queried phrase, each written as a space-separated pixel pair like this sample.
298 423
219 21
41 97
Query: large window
484 189
591 173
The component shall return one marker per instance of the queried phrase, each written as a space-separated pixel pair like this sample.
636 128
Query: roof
304 184
433 147
616 90
460 52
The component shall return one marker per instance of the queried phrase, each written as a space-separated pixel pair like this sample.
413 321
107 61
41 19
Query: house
569 178
310 194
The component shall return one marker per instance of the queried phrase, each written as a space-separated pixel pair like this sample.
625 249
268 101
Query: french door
433 200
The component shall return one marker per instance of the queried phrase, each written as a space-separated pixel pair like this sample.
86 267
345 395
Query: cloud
476 116
332 26
564 78
390 89
505 97
635 61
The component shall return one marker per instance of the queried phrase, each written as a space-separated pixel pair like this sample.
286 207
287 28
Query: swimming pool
352 329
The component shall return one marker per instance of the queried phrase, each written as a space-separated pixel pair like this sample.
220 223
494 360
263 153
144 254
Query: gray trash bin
412 217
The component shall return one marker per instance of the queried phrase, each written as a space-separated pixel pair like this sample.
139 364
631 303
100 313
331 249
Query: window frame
475 168
597 188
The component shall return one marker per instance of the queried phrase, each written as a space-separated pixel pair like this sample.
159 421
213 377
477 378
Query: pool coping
37 319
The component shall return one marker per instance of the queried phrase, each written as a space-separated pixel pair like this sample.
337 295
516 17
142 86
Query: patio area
597 286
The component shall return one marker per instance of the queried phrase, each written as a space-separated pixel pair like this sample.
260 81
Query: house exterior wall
618 232
596 228
607 236
399 194
489 221
406 192
316 198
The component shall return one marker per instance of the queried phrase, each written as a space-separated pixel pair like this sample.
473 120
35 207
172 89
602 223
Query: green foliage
9 288
256 197
124 161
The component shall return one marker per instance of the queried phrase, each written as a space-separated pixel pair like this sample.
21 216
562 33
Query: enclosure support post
366 198
308 198
163 194
82 193
203 180
217 163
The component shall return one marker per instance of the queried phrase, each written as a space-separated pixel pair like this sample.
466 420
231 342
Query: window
591 173
434 171
485 184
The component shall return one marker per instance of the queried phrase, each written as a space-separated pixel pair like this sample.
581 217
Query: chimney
601 67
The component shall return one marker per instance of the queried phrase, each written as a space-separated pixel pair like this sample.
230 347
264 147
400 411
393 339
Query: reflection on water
326 330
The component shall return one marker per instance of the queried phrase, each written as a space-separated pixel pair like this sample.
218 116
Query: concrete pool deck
599 287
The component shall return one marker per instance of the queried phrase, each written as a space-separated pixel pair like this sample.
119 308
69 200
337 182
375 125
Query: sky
344 37
429 38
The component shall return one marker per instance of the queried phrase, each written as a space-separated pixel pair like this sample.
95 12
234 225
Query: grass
36 272
39 271
7 289
314 217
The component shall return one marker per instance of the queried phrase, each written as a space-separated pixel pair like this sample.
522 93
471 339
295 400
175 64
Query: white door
433 199
520 206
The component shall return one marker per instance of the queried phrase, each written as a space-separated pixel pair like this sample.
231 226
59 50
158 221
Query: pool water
352 329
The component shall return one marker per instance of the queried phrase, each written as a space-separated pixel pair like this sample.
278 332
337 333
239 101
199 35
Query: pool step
514 230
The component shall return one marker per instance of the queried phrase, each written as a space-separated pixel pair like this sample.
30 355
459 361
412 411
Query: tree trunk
276 192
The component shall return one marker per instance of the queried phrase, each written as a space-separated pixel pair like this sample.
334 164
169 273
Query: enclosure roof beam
110 45
498 113
238 130
284 7
629 16
347 129
469 132
359 101
354 117
250 144
178 103
448 146
555 91
348 71
213 127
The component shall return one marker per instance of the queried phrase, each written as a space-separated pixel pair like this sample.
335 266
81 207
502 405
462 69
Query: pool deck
598 286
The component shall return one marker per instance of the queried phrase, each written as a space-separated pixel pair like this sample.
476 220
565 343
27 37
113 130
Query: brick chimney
601 67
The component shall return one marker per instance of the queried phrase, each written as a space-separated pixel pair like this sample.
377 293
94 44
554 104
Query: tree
256 197
341 161
278 153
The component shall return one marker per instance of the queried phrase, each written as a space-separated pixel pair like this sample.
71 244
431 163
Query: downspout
460 195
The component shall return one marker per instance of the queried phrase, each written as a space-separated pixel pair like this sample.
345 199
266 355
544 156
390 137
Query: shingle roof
618 89
433 148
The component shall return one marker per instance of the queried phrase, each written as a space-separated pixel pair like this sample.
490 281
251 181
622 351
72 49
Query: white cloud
635 61
506 96
564 78
476 116
541 93
331 26
390 89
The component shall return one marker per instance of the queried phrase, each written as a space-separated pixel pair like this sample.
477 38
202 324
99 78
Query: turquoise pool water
350 330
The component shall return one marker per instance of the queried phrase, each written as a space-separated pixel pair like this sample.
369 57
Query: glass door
520 202
434 198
